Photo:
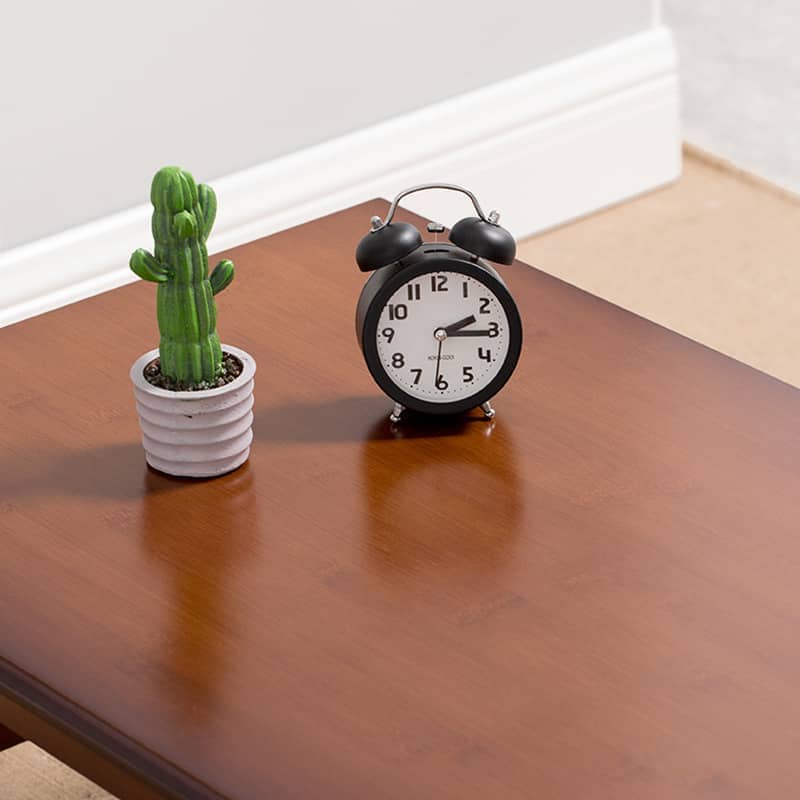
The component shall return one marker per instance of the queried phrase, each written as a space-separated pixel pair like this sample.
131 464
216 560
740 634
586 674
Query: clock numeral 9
398 360
441 383
494 330
438 283
468 376
484 308
417 376
399 311
388 333
486 355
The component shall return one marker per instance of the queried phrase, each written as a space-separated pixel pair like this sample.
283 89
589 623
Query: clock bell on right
439 330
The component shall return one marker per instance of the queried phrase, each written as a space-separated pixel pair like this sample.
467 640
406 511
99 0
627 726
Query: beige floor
28 773
716 257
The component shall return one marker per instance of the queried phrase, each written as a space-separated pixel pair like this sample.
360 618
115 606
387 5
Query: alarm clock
438 328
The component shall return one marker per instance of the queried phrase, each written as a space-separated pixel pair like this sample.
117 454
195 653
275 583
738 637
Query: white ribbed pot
196 434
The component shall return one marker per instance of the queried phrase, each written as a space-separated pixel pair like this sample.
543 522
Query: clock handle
377 223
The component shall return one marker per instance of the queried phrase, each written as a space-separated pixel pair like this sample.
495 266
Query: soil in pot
231 369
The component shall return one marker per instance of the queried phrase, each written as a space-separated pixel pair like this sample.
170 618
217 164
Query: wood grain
596 596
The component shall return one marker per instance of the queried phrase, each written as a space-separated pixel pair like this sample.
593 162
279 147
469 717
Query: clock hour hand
450 330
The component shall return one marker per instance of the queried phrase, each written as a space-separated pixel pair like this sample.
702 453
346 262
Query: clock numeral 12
438 283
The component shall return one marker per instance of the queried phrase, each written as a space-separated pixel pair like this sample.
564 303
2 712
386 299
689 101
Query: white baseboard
543 148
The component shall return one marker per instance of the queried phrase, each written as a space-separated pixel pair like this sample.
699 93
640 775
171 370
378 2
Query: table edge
60 714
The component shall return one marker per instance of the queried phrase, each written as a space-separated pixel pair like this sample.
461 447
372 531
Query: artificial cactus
183 214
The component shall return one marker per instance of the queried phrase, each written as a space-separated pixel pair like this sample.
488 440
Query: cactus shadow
117 471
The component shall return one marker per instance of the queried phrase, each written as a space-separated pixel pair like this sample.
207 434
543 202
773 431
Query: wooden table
596 596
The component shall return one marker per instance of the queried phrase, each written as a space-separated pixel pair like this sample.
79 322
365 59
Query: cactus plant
183 214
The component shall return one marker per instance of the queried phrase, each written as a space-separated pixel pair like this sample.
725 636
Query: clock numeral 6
398 311
468 376
441 383
398 360
486 355
388 333
417 376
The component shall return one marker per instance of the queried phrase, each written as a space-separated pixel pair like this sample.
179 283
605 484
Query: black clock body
476 289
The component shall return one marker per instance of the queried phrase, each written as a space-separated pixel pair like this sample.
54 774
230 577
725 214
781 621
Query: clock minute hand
471 333
451 330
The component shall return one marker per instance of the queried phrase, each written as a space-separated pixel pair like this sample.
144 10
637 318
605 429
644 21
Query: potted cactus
194 395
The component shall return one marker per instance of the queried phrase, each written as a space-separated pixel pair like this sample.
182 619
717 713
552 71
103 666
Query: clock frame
430 258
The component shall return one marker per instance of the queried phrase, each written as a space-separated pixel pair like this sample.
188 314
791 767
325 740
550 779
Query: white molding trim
657 12
544 147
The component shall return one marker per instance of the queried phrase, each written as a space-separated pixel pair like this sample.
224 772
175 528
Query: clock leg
487 409
397 412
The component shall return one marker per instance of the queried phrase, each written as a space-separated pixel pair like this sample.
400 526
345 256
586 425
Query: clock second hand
441 335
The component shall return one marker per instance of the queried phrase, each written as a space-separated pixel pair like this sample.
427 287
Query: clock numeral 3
494 330
438 283
468 376
486 355
398 360
399 311
413 291
417 376
388 334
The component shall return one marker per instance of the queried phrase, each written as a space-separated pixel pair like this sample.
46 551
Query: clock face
443 337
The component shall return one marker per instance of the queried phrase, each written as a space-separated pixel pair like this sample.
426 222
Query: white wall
96 95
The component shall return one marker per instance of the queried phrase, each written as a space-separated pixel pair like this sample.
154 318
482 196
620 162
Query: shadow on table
340 420
115 471
351 419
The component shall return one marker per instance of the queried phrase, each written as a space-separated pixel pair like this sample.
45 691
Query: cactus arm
184 225
222 275
147 267
208 206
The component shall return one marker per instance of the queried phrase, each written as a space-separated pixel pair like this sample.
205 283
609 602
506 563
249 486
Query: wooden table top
596 596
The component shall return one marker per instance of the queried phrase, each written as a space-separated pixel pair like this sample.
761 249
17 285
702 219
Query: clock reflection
441 494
